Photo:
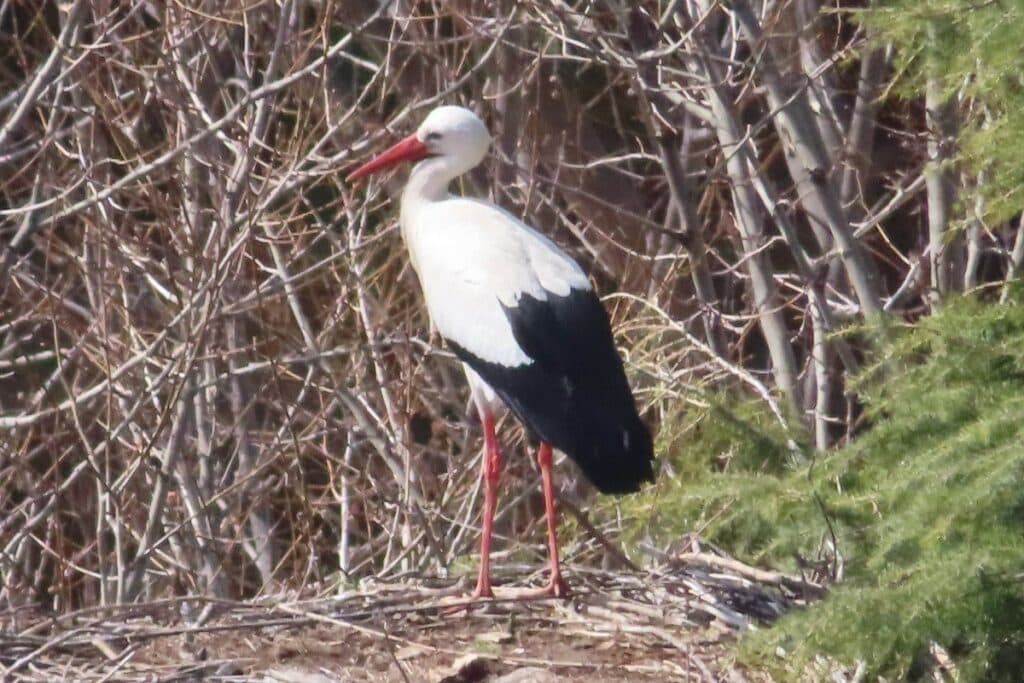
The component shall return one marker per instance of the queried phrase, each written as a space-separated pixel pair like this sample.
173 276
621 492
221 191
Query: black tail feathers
615 455
594 421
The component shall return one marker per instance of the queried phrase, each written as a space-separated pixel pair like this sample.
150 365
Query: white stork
521 316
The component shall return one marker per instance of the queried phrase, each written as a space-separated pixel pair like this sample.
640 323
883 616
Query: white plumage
473 260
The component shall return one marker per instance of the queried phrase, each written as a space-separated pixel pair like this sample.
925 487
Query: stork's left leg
555 585
491 474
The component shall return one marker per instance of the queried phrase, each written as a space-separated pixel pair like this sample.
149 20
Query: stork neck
429 180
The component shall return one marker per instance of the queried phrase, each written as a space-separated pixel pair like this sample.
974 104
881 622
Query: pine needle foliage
927 505
972 49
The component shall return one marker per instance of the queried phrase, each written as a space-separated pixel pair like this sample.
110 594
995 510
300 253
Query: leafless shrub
215 372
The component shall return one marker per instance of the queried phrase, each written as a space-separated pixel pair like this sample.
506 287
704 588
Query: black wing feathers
575 394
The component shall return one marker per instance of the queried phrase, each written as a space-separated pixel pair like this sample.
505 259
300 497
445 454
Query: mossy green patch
927 505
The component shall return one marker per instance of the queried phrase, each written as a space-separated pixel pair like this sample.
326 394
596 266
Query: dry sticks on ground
674 619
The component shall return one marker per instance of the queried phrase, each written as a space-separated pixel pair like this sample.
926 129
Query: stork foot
482 591
556 587
480 595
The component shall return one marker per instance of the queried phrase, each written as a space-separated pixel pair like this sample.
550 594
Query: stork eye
431 137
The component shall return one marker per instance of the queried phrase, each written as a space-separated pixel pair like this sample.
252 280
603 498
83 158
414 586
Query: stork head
453 135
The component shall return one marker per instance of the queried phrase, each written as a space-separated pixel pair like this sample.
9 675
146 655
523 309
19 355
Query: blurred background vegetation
216 374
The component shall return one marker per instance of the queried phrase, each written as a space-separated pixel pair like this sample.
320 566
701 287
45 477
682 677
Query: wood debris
671 621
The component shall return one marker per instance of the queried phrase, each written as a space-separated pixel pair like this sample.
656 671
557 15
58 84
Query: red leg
491 474
555 586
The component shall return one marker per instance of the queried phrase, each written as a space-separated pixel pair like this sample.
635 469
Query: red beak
409 149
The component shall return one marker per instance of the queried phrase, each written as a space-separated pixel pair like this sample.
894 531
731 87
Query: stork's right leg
555 587
491 474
